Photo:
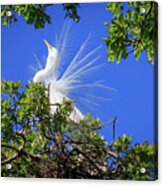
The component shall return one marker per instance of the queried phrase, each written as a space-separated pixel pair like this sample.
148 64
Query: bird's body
56 90
51 64
69 76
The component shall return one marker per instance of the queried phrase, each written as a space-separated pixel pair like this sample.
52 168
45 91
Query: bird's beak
48 45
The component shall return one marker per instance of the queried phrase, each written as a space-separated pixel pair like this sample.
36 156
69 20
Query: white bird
70 78
51 63
56 94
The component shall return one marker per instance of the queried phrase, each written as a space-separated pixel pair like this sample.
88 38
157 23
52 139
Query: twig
91 161
113 130
9 160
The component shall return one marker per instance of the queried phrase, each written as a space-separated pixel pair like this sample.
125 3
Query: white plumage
70 78
52 59
56 90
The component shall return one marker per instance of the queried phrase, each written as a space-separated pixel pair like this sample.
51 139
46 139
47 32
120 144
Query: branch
15 156
110 153
113 131
91 161
9 160
10 147
19 150
32 156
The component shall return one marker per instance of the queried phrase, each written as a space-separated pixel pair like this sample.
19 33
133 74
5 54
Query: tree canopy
35 14
38 144
133 29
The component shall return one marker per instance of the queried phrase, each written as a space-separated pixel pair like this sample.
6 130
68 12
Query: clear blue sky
133 103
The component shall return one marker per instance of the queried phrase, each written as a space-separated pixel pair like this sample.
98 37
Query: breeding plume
66 78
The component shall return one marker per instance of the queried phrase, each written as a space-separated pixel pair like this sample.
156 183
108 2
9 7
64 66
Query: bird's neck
49 69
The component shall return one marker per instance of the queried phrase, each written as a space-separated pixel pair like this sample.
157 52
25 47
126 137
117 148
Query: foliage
71 10
35 14
132 31
38 144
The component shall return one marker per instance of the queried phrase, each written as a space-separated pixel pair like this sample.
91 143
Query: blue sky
132 103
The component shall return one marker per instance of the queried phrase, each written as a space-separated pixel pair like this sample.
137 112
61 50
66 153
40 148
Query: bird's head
51 50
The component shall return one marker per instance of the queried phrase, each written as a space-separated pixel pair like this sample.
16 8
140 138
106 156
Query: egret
56 95
63 78
52 59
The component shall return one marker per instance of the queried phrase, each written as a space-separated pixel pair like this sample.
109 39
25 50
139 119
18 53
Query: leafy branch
132 31
38 144
36 14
